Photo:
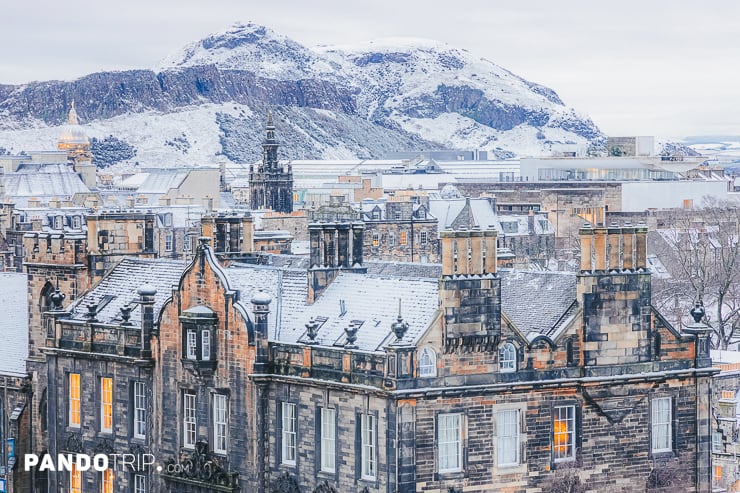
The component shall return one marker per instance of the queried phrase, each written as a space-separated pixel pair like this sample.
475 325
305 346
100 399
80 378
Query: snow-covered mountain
211 97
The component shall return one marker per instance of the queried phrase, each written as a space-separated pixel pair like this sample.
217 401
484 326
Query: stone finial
312 330
92 312
57 298
351 332
147 290
261 298
126 314
697 313
399 326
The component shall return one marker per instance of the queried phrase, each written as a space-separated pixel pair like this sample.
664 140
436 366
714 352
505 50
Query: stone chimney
334 247
613 288
231 233
147 292
470 290
616 248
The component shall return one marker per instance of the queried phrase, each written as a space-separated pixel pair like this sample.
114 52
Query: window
564 433
368 434
717 474
428 363
397 214
717 442
76 222
402 239
288 433
192 344
74 400
58 222
206 344
449 439
328 439
139 483
661 424
423 237
507 358
106 405
75 480
139 410
376 239
168 242
219 423
507 431
106 481
189 420
391 239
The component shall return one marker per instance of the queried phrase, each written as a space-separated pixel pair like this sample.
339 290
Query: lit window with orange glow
75 479
74 400
717 474
106 405
564 433
402 239
106 481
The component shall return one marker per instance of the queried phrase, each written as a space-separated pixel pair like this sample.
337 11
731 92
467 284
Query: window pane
368 446
564 428
107 481
106 404
139 409
189 423
450 442
192 349
428 363
328 444
206 344
220 423
75 480
507 428
508 357
289 433
661 424
74 399
139 483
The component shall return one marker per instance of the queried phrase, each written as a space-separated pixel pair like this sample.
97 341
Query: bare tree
704 258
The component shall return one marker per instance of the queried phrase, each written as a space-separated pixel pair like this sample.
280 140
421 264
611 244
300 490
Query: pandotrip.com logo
84 462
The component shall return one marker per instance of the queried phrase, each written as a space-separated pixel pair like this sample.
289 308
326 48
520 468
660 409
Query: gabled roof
463 213
14 324
536 301
120 287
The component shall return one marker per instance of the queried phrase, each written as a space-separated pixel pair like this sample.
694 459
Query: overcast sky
638 67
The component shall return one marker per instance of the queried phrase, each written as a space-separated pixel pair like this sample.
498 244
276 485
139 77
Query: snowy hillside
210 99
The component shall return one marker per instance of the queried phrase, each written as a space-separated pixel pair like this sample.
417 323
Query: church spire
270 146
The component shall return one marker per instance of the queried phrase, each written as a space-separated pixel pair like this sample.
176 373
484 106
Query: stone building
366 377
725 426
400 230
271 184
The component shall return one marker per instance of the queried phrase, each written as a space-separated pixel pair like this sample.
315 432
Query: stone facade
476 381
401 231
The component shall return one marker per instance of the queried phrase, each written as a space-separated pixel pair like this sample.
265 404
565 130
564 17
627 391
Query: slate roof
536 301
162 181
463 213
372 299
404 269
14 324
120 288
48 181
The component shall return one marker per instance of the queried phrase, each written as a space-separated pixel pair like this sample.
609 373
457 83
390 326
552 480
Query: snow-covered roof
119 288
14 324
42 182
548 295
459 213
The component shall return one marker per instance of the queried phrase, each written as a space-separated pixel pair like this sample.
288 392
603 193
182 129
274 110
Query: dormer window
428 363
507 358
198 334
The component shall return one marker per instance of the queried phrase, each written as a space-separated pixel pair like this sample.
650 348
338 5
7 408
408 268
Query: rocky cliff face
363 101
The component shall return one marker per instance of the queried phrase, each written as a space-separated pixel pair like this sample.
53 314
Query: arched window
507 358
428 363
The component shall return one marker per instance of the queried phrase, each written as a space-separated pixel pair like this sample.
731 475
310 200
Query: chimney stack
146 301
616 248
